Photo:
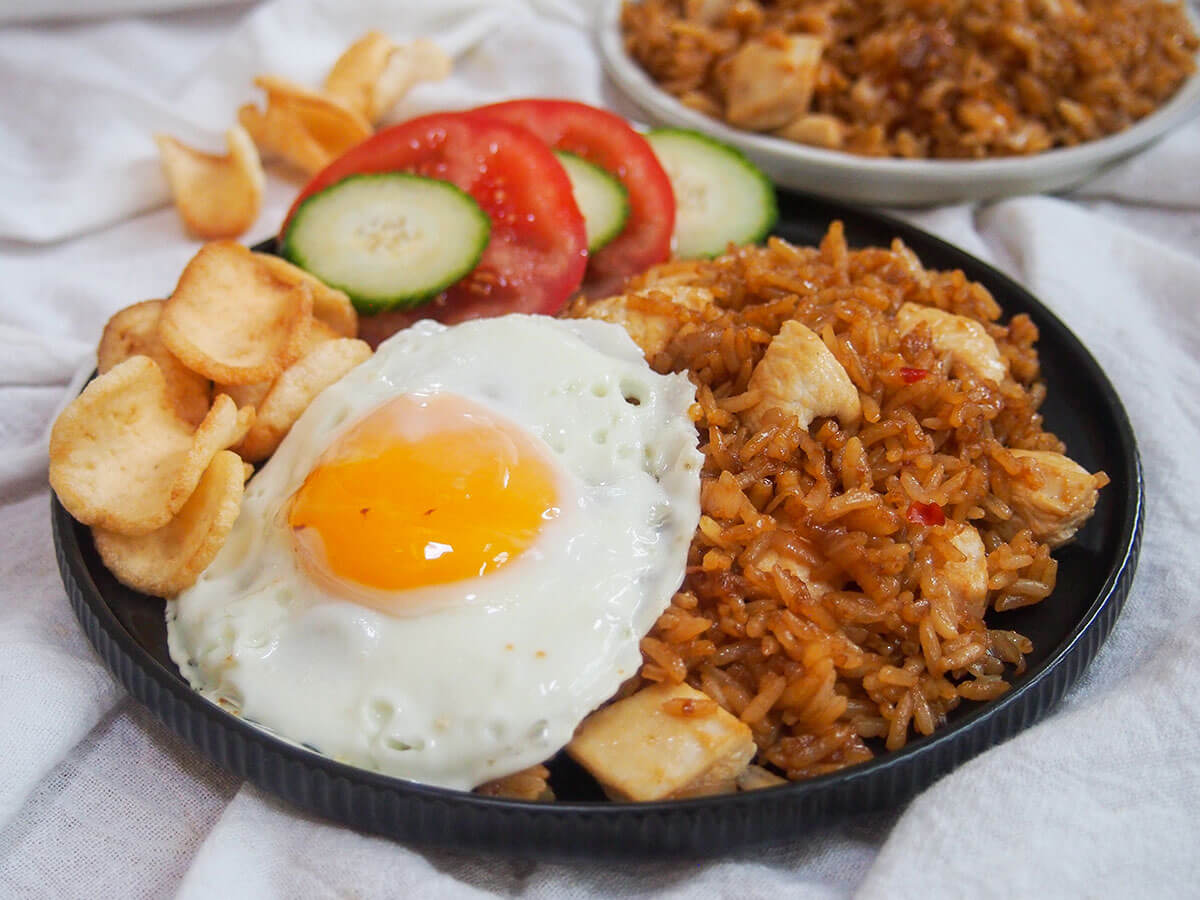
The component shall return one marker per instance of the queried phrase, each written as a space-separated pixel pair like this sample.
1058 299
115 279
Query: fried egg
453 555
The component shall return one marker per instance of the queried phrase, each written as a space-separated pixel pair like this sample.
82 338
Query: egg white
492 674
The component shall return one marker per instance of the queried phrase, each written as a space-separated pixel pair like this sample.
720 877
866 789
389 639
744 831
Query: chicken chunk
770 84
706 12
816 131
638 750
967 579
1056 510
965 340
767 562
799 375
651 330
756 778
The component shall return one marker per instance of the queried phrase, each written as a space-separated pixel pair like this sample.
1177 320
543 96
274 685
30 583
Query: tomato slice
537 253
603 138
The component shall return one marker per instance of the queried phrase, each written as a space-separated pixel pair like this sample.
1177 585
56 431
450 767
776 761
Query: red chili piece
911 375
925 514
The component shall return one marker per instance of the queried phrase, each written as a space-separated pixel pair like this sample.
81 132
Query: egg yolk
427 489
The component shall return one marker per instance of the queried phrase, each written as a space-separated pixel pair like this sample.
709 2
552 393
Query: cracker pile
219 196
191 390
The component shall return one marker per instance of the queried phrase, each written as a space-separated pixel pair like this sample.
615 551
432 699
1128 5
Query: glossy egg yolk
427 489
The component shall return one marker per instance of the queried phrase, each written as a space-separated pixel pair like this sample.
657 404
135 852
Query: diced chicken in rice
1065 500
967 578
756 778
816 130
706 12
769 85
639 749
800 376
650 330
768 561
965 340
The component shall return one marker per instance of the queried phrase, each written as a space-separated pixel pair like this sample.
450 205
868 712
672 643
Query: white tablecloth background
99 800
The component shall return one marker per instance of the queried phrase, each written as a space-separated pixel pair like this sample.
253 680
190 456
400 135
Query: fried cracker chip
305 129
134 332
170 559
245 394
295 389
281 134
330 305
232 319
408 64
217 196
122 460
254 394
374 74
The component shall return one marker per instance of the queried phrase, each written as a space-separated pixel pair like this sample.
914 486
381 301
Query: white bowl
901 182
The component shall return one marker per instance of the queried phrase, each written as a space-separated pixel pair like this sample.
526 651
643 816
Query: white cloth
98 800
57 10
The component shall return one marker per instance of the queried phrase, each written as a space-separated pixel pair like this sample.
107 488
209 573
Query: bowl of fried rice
908 102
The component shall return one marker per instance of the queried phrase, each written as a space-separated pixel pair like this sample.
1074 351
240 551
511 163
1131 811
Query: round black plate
1094 575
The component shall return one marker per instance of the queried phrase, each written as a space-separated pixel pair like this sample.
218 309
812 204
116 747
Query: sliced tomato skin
604 138
537 254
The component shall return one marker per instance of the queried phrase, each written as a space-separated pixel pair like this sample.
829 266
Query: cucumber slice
601 198
390 240
720 196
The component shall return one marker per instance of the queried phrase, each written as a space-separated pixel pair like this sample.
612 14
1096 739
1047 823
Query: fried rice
932 78
884 650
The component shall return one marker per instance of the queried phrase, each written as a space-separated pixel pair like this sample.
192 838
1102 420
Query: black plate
1094 575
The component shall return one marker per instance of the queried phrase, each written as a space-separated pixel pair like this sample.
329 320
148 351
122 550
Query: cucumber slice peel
602 199
389 240
720 195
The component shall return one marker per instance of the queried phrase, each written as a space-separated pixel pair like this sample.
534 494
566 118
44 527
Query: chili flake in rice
824 603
